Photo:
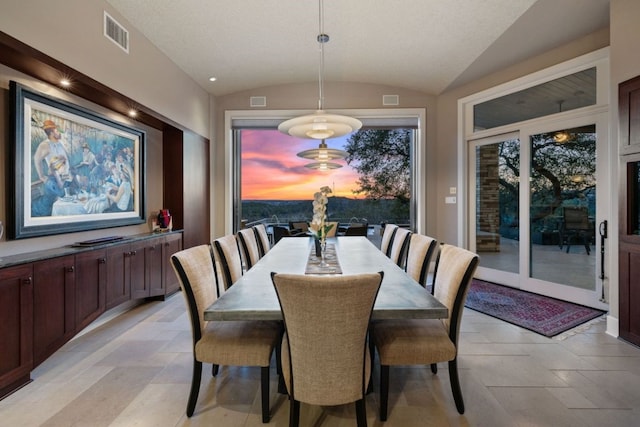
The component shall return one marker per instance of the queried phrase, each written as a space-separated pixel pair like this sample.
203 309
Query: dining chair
264 244
248 242
333 231
299 226
325 356
227 254
387 238
238 343
428 341
398 250
357 229
419 253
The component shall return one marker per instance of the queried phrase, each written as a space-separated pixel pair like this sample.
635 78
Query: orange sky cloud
272 171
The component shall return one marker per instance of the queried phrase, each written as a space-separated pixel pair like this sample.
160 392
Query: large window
373 184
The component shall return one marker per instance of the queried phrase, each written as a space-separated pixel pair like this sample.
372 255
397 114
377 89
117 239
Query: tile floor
135 370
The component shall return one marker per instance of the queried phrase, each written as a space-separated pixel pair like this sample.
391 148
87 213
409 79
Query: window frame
397 117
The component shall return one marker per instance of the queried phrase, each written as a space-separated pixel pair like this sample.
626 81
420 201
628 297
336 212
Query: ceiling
424 45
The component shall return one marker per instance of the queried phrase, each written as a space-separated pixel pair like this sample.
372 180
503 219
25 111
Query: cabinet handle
133 253
27 281
152 248
166 243
71 269
102 261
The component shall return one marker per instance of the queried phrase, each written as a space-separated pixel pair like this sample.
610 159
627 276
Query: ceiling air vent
258 101
116 32
390 100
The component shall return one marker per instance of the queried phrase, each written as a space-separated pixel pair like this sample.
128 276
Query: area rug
543 315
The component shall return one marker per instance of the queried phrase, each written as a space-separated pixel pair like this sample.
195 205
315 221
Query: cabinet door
153 266
16 327
91 279
118 284
54 305
135 263
172 244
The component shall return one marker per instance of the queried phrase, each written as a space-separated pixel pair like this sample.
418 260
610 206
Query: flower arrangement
318 227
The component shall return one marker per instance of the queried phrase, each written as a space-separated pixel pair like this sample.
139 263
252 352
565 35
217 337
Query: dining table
253 296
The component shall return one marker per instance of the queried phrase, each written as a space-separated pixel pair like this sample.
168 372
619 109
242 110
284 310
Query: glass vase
323 253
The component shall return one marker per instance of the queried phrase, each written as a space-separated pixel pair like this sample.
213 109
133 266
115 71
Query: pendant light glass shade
323 166
320 125
323 153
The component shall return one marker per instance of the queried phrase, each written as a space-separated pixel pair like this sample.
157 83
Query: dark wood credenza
47 297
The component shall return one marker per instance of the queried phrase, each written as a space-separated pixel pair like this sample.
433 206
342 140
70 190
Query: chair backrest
263 238
326 320
299 226
576 218
196 275
280 232
387 238
454 271
398 251
332 232
357 229
419 254
249 245
228 255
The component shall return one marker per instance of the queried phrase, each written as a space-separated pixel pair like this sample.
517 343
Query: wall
71 31
338 96
146 76
447 123
625 64
153 155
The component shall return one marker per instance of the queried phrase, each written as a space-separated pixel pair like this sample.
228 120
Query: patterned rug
543 315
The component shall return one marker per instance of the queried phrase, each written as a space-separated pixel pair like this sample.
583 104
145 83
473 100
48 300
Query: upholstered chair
264 244
387 238
334 230
398 250
357 229
428 341
419 254
227 254
248 243
325 356
237 343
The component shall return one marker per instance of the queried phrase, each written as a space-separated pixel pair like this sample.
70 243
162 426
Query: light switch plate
452 190
450 200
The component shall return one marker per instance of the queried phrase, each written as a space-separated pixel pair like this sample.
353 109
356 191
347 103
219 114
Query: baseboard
613 326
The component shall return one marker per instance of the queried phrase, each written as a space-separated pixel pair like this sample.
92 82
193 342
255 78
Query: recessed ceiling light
212 79
133 113
65 83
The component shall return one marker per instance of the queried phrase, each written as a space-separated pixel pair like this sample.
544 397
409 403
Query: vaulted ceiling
423 45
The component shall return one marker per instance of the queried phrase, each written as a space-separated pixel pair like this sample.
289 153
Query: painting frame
71 168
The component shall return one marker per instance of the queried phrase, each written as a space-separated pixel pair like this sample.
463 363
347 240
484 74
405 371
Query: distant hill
339 209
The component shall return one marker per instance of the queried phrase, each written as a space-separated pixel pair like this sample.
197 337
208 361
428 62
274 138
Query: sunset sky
272 171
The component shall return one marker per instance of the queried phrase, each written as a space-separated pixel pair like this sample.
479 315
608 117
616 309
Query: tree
383 162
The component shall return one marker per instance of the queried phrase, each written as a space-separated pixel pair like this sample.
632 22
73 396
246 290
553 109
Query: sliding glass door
535 209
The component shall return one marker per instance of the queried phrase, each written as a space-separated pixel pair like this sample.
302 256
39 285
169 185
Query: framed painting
73 169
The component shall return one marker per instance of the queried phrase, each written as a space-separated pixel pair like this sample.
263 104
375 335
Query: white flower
320 201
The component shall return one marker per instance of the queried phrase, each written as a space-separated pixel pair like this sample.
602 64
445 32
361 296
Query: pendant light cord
322 39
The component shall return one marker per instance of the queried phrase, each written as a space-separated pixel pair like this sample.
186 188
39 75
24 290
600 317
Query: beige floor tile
135 370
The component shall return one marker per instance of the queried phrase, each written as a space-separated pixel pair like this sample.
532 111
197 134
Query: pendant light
320 125
323 153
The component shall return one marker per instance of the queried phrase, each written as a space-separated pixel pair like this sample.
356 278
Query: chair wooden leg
372 353
384 391
434 368
215 369
294 413
195 387
264 380
455 385
361 412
